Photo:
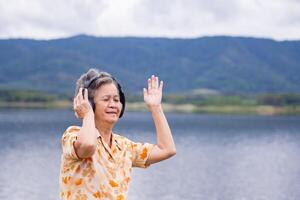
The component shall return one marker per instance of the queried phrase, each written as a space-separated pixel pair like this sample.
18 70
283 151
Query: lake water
219 157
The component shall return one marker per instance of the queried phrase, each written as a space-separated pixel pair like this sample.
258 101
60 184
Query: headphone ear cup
122 99
93 105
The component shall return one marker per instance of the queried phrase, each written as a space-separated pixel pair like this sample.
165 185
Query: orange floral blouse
105 175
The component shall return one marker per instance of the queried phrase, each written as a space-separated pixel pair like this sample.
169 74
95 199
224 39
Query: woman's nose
111 104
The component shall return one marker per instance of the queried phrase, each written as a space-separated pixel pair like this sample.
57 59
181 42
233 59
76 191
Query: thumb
76 115
145 92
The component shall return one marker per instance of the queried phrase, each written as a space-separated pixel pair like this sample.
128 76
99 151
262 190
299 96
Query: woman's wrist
155 108
89 115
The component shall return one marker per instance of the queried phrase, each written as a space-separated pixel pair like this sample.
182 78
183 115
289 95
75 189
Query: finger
149 84
74 103
161 85
86 97
156 82
80 97
152 81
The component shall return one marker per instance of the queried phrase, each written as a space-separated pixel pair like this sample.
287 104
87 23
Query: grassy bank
183 108
224 109
261 104
52 104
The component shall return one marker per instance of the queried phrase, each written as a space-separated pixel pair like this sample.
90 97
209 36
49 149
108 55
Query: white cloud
279 19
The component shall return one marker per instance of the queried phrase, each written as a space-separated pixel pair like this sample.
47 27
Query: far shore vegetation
262 104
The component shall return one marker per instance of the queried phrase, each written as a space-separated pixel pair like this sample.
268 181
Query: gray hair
94 79
87 80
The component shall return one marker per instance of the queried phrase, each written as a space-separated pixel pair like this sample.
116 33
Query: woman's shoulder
122 139
119 137
69 133
72 129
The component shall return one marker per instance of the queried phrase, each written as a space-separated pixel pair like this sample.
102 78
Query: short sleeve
141 153
67 142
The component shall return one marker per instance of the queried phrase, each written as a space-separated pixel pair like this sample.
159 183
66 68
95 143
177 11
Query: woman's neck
105 131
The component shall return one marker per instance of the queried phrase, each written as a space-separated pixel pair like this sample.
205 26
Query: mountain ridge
230 65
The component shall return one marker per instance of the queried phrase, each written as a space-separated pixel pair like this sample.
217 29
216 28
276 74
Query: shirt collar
114 140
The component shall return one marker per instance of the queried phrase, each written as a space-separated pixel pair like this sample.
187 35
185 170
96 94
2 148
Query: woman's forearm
164 136
87 137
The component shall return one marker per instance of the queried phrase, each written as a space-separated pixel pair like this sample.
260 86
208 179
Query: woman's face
107 102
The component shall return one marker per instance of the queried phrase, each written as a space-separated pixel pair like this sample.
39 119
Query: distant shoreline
182 108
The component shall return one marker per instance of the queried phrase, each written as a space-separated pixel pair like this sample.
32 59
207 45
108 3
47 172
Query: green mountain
230 65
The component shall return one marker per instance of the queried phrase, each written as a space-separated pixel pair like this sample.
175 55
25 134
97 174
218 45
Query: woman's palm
153 95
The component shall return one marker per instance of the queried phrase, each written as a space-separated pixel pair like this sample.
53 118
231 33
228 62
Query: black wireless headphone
88 84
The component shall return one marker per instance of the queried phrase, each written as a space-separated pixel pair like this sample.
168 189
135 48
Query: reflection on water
218 157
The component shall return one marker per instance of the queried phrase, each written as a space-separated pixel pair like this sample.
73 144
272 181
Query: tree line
15 95
286 99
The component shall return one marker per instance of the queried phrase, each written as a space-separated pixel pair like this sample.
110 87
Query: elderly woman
96 163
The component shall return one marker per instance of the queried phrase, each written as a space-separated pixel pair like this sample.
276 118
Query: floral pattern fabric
105 175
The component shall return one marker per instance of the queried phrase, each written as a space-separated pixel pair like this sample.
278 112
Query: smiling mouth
111 113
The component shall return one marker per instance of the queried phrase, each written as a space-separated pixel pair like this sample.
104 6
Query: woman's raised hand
153 95
81 104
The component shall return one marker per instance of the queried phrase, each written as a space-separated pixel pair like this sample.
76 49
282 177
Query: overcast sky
47 19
